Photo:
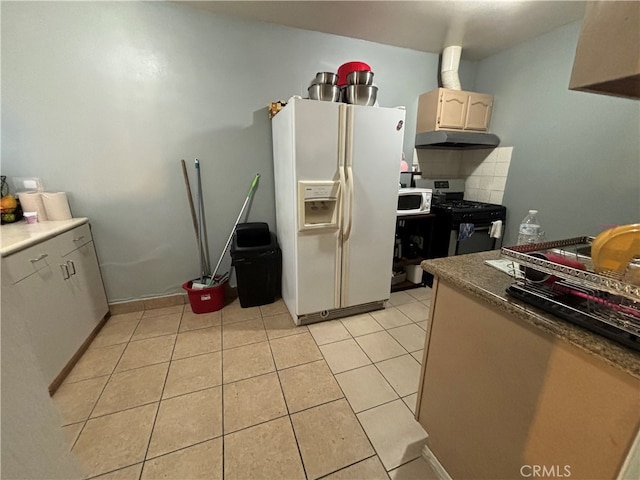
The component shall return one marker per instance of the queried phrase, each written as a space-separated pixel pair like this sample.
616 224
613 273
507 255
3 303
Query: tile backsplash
440 163
485 171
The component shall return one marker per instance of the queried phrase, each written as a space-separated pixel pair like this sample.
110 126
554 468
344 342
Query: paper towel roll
32 202
56 205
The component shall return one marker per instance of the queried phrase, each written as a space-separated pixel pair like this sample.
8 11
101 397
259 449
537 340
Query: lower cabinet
85 282
56 289
500 398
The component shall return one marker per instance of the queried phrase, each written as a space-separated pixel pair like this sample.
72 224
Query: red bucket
205 300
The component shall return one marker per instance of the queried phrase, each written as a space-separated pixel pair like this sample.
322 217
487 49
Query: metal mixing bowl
361 94
326 77
325 92
360 77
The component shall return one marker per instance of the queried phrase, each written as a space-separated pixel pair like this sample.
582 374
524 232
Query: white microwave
414 201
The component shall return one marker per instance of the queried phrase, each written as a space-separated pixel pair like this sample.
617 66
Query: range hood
447 139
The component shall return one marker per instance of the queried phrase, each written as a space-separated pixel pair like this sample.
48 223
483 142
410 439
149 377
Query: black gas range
466 211
463 226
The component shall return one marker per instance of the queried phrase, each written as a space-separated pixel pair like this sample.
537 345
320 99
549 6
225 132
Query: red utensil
601 301
537 276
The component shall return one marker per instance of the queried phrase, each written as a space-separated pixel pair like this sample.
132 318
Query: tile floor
245 394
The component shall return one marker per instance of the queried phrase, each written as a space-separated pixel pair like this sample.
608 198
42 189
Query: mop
202 239
194 217
214 280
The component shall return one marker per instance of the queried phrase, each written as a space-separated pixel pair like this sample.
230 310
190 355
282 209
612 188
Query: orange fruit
8 202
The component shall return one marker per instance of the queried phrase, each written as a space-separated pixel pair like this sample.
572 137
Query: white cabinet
56 289
445 109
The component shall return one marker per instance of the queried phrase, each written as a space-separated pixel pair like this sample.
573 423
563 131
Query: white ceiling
482 28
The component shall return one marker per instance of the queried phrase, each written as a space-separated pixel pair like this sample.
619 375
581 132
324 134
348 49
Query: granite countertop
20 235
470 274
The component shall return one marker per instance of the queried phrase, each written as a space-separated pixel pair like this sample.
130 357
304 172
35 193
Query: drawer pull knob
40 257
77 239
65 271
71 266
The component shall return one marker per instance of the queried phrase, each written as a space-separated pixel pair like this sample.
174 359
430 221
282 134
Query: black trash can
257 258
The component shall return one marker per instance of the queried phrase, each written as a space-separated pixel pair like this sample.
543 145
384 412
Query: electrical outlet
27 184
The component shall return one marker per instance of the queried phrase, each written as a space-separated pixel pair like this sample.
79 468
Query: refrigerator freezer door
316 130
373 155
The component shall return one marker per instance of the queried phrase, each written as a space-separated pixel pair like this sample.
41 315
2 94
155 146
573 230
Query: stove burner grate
463 205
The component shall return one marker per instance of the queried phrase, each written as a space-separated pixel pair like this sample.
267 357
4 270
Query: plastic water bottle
530 231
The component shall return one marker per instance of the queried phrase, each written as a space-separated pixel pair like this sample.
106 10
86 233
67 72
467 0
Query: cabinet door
85 287
453 109
59 296
46 308
478 112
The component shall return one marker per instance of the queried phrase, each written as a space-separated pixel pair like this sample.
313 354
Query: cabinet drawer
69 241
22 264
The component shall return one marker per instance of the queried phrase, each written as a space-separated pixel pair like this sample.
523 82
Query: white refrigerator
336 171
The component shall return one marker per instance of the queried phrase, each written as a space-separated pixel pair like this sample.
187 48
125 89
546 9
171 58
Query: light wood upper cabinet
607 57
445 109
453 110
478 112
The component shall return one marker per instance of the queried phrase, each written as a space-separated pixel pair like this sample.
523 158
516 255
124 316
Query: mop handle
251 189
193 214
200 244
253 186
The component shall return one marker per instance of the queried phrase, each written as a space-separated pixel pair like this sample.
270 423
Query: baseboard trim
148 304
118 308
76 356
436 466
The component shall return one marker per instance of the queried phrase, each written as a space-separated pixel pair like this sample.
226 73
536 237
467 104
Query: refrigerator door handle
341 161
339 272
347 231
343 191
347 163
